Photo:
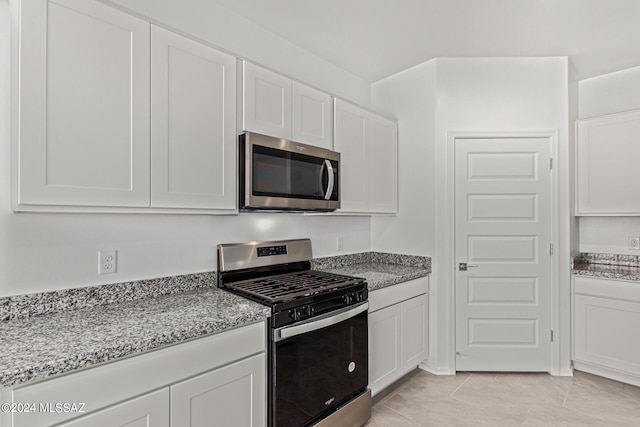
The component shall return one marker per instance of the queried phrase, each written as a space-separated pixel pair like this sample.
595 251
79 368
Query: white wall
479 94
211 22
40 252
500 94
608 94
410 97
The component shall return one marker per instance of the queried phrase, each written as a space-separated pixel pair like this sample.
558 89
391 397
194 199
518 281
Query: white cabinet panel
278 106
193 162
267 102
368 145
234 395
398 331
608 149
414 332
311 116
150 410
353 129
83 105
385 365
384 166
607 328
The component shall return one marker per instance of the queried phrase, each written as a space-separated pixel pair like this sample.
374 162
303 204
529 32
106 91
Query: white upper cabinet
368 144
608 149
311 116
116 116
83 105
193 124
278 106
267 102
352 132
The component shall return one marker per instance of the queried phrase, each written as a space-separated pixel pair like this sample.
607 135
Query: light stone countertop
381 275
41 346
51 333
607 271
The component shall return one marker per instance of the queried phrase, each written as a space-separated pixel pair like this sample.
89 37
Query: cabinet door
150 410
311 116
83 105
234 395
385 365
414 332
607 333
608 149
353 127
267 102
384 166
193 87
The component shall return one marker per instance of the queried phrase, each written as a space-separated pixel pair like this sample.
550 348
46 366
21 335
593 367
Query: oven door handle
319 323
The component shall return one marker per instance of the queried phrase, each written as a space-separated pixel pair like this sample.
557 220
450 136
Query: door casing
448 227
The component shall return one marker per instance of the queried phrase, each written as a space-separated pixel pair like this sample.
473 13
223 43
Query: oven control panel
272 250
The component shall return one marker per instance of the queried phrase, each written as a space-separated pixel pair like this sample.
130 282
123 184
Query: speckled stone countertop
380 269
50 333
40 346
607 266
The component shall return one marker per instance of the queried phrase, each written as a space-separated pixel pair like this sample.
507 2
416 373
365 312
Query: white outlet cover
107 262
634 243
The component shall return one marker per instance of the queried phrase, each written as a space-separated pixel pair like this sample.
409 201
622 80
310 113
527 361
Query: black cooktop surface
275 289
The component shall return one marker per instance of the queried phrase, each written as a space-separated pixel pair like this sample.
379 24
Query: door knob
463 266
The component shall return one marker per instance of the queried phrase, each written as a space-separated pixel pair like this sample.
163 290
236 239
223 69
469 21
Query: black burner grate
289 286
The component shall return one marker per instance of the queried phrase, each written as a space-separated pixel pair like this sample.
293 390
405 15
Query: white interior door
503 228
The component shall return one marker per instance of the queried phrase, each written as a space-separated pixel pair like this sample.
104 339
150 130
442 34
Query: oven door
281 174
319 365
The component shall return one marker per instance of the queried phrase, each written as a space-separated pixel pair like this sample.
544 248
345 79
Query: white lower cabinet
384 347
398 331
229 396
219 380
607 328
150 410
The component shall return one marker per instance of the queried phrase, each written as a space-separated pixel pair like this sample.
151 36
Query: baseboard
435 370
603 371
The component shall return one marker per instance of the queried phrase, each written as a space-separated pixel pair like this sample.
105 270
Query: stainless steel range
318 346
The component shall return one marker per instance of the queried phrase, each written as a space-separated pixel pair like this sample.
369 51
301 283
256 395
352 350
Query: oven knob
357 296
295 314
309 310
347 299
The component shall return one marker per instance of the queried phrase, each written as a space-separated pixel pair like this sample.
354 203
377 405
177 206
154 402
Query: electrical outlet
634 243
340 243
107 262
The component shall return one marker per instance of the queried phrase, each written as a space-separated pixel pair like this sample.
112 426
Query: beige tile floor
506 399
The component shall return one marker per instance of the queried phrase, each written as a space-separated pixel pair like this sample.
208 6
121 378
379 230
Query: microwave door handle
330 184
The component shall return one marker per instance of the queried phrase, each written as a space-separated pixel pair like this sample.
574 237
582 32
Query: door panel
84 105
193 124
503 232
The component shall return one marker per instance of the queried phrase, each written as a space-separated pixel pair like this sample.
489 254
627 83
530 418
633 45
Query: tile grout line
401 415
463 383
567 395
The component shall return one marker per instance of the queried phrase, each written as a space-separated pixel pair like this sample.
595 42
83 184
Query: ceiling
374 39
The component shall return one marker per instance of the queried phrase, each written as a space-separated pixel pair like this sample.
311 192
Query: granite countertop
380 269
50 333
607 271
40 346
381 275
607 266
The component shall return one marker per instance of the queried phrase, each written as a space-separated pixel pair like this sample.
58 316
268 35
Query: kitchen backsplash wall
608 94
45 252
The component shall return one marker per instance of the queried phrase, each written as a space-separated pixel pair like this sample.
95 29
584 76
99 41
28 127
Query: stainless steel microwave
277 174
